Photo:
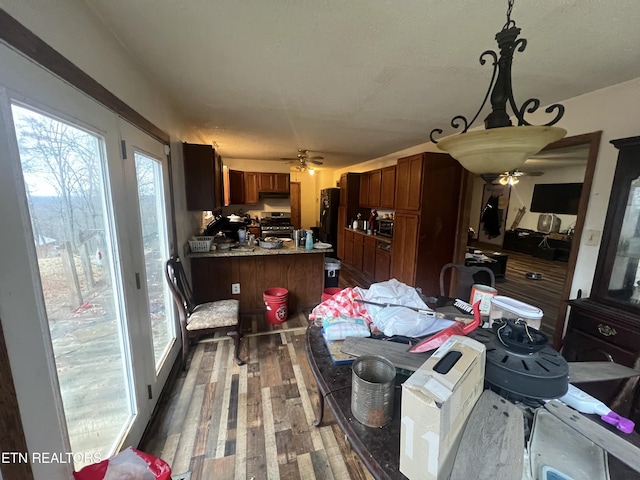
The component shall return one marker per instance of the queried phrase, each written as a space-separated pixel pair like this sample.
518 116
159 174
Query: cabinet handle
606 330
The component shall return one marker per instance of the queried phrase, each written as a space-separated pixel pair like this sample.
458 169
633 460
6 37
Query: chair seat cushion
222 313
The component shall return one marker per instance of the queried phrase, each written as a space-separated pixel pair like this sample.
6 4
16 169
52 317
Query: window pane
66 184
156 251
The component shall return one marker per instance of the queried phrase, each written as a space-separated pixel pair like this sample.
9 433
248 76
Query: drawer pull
606 330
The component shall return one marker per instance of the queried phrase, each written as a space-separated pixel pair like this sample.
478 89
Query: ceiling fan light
513 180
311 171
504 180
499 149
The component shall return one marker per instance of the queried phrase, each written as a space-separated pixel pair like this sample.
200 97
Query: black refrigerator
329 202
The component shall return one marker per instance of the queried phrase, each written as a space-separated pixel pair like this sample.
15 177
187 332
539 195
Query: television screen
562 198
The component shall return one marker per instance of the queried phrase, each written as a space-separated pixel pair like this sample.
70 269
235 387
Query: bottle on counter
309 242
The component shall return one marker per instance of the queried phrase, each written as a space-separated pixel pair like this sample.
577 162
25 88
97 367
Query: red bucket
330 292
277 302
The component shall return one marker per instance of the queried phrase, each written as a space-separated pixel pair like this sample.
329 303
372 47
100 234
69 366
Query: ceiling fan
511 178
302 159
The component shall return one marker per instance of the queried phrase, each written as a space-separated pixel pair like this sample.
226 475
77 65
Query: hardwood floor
222 421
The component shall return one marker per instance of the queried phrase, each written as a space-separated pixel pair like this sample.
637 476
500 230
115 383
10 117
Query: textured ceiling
353 80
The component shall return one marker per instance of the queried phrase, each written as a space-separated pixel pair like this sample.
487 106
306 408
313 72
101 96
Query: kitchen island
257 269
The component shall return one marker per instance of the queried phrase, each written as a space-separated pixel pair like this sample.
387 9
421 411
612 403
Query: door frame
295 192
593 140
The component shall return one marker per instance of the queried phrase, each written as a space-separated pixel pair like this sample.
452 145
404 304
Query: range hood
273 194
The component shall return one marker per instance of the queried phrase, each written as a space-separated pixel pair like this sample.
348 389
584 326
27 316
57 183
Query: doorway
296 207
548 166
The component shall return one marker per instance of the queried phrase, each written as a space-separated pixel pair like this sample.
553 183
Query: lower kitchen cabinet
403 262
348 246
383 265
598 332
342 221
358 250
369 256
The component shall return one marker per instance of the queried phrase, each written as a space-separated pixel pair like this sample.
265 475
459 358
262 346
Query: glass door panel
66 181
153 224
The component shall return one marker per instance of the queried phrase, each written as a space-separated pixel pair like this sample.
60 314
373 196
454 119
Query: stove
276 224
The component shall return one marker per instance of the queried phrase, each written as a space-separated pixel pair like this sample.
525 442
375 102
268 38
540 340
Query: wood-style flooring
222 421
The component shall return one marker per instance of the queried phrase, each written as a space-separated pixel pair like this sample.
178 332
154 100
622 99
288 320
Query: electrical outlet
235 288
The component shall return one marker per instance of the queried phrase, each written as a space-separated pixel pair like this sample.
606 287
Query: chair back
466 277
180 288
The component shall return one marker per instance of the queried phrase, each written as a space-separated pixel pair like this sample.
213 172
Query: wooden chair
203 319
465 279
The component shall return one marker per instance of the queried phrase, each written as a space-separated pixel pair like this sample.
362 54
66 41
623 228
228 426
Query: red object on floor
129 463
277 302
330 292
458 328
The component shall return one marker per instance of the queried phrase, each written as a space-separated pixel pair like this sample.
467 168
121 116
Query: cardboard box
435 407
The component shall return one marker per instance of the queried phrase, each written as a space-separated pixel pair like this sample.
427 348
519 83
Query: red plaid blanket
344 304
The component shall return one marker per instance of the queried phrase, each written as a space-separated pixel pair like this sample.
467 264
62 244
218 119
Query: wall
521 194
95 51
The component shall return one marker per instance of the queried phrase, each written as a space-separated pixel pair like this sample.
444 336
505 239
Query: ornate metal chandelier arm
531 106
466 123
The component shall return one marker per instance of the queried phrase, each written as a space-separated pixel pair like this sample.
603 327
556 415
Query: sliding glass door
68 194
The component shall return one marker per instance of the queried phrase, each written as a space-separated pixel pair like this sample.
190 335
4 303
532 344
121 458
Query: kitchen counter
381 238
298 270
287 249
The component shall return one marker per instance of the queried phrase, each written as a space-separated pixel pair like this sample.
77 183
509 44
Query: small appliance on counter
228 226
385 227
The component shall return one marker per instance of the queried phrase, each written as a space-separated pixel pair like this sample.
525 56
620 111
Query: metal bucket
372 387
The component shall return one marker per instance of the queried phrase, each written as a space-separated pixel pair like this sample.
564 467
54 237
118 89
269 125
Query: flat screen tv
561 198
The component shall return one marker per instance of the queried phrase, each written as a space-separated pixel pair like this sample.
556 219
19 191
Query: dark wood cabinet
273 182
280 182
403 258
369 256
409 171
428 230
375 184
383 265
606 326
388 187
377 188
348 246
265 182
202 177
364 190
250 188
358 251
236 187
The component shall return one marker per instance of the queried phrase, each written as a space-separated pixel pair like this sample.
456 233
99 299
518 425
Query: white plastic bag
401 321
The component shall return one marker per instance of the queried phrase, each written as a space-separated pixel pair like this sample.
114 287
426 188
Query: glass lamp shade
499 149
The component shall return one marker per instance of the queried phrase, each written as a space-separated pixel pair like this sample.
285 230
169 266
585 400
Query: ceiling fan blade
290 159
534 174
315 162
318 157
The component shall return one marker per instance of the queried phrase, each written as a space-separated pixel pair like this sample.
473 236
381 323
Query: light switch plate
592 237
235 289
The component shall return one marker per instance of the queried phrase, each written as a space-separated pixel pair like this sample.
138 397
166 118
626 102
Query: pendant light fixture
501 146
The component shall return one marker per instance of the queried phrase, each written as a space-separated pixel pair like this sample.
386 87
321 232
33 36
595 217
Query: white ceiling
353 80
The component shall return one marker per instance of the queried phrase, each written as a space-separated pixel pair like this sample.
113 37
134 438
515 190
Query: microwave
385 227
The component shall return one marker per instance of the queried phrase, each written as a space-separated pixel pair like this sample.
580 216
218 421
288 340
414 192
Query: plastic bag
129 464
392 291
404 321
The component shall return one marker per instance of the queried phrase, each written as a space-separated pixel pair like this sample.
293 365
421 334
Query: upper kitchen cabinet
428 218
388 188
377 188
236 187
273 182
202 177
250 188
363 198
409 182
